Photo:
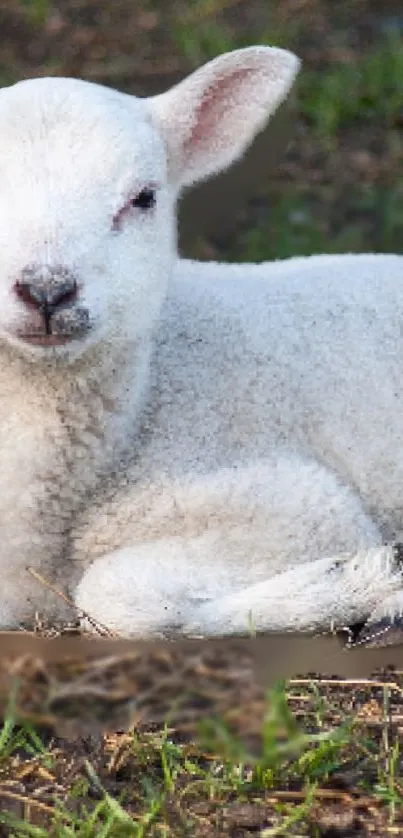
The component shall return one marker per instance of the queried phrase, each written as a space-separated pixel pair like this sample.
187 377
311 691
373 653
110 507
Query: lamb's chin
36 347
45 340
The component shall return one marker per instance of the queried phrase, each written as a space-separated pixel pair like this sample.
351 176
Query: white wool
223 446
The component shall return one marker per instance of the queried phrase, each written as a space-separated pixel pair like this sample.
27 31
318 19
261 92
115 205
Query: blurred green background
326 176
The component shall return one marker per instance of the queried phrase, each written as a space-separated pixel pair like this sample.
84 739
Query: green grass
38 10
365 92
169 784
198 35
337 106
354 102
293 222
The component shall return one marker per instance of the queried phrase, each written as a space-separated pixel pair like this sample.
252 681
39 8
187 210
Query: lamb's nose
46 291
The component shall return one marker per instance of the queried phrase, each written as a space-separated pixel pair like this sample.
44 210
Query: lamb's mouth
45 340
63 327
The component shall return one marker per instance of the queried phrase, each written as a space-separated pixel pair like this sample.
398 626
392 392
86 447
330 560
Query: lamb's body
275 437
297 357
209 466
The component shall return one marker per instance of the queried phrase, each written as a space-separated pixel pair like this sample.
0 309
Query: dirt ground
223 719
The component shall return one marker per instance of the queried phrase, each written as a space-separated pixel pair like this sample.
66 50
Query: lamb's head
89 179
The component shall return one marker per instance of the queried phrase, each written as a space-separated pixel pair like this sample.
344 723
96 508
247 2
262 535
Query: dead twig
99 627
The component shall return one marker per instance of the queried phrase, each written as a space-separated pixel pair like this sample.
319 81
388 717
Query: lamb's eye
145 200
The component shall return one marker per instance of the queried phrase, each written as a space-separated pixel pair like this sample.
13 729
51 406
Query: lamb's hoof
384 627
398 554
348 635
388 631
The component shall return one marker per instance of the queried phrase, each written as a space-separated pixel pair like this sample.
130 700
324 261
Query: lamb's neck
92 405
61 430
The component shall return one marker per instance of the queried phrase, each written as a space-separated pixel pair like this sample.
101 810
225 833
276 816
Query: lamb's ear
209 119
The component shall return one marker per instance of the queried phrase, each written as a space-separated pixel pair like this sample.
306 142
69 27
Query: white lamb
185 447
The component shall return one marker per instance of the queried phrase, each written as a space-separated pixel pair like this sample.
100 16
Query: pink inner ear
217 100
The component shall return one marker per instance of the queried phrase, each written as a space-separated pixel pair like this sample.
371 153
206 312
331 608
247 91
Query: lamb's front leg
153 589
319 595
259 561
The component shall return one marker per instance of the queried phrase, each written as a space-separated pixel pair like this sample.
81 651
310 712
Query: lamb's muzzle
50 294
